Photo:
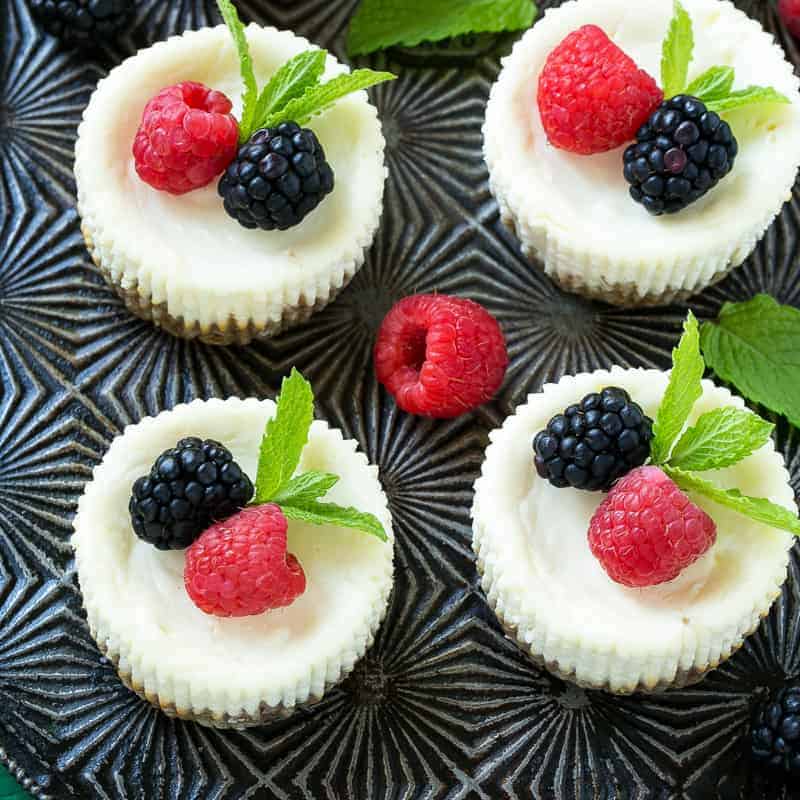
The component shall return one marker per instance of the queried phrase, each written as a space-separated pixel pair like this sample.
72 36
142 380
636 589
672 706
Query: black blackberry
681 153
595 442
82 22
775 734
279 177
189 487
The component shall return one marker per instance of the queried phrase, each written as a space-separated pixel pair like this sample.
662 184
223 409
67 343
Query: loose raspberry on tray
440 356
592 96
240 567
789 12
187 138
647 531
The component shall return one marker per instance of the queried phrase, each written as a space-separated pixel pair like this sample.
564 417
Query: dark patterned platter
443 706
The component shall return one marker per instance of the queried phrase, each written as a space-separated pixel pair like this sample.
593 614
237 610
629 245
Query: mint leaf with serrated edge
683 390
720 438
754 346
378 24
752 95
319 98
714 83
292 80
309 485
331 514
285 436
756 508
676 52
250 93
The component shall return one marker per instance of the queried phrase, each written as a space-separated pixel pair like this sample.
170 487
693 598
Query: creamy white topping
135 594
533 540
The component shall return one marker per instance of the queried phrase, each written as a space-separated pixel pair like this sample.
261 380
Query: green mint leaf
754 346
319 98
382 23
720 438
752 95
250 92
292 80
683 390
676 52
757 508
285 437
310 485
338 516
9 788
713 84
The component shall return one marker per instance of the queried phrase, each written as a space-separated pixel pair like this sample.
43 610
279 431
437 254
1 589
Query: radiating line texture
43 91
443 706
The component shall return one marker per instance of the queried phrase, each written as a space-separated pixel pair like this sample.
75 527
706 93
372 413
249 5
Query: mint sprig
718 439
285 437
755 346
683 390
295 92
715 86
317 99
378 24
250 91
676 52
296 76
757 508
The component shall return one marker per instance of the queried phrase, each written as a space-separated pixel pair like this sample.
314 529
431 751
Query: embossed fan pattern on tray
443 706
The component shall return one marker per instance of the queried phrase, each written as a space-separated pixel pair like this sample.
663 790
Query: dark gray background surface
443 706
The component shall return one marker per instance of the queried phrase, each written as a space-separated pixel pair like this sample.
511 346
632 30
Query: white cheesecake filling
139 609
531 539
576 211
185 250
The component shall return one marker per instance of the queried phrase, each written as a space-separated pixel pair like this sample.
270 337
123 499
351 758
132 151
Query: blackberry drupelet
189 487
279 176
594 443
775 733
82 22
681 153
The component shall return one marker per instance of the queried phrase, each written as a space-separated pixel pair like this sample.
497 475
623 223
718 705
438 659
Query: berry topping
682 152
186 139
595 442
189 486
789 11
775 734
279 177
592 96
440 356
240 567
647 531
82 22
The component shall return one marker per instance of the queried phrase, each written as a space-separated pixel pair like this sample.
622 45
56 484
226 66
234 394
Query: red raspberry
187 138
647 531
240 567
440 356
789 11
593 97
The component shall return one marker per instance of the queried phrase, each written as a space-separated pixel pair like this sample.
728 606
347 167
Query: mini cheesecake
573 214
181 261
554 597
230 672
